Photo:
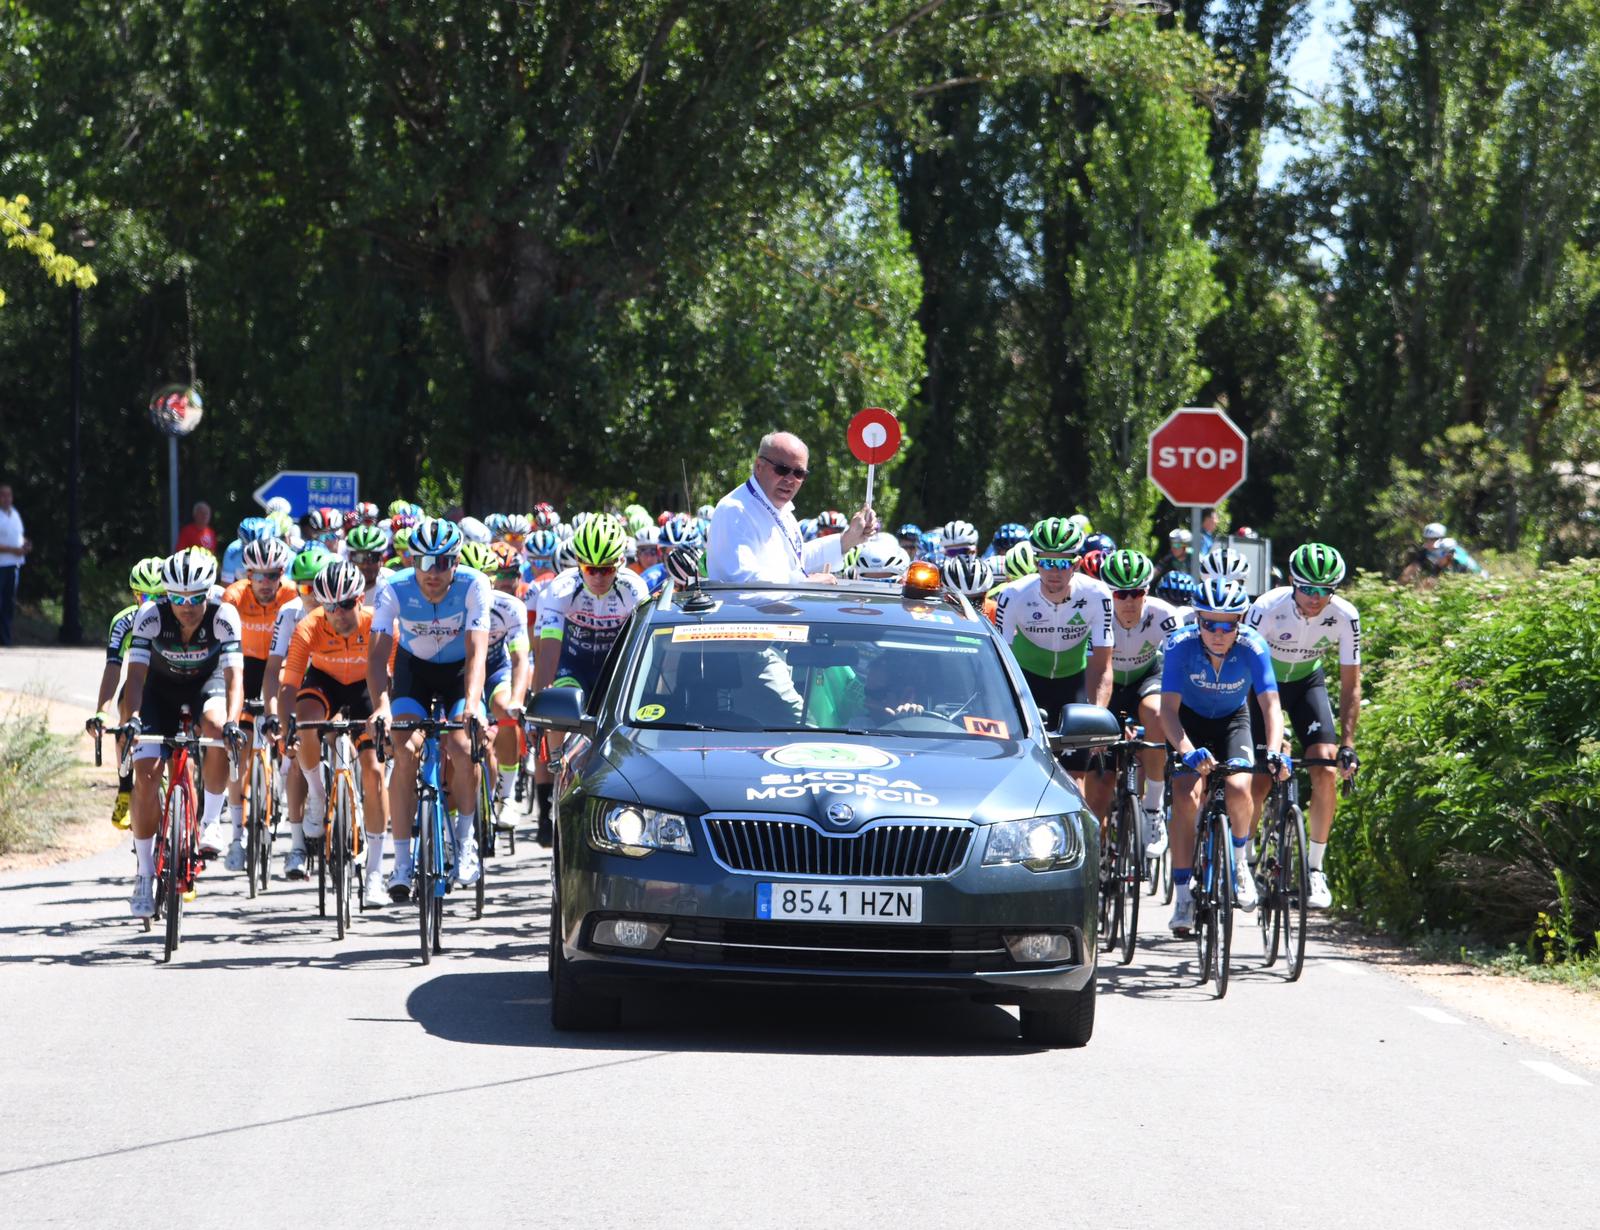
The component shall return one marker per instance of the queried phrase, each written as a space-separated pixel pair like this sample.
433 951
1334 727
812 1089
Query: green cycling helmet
396 507
366 538
1316 564
145 578
395 564
599 543
1019 561
477 556
402 542
1127 570
1057 536
310 562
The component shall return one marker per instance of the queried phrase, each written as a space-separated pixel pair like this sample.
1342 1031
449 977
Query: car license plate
855 903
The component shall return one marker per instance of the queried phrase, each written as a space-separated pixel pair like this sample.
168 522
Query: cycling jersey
1050 639
257 619
158 642
1136 651
508 624
1298 644
1186 669
654 578
289 616
232 567
586 625
433 631
315 644
120 634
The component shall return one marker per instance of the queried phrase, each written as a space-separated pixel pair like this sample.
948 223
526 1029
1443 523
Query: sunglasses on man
784 471
187 599
1051 563
266 576
1128 595
1219 625
349 604
442 563
1315 591
592 570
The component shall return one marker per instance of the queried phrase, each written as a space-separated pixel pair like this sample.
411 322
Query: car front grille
836 946
883 851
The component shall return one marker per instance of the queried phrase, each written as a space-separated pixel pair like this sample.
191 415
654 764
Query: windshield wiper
671 726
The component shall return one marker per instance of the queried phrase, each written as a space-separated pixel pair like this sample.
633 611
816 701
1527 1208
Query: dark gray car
833 785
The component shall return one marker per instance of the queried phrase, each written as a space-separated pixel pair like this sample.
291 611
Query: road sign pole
172 490
1194 542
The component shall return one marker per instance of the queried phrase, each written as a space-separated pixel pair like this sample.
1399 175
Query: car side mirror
1084 727
561 709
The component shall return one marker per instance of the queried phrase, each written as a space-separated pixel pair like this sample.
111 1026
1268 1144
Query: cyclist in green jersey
145 582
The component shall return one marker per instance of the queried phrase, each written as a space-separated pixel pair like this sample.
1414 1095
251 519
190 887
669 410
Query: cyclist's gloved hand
1281 764
270 726
233 733
1199 759
134 727
1348 759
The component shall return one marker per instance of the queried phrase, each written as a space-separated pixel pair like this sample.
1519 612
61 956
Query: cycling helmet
282 523
1127 570
366 514
968 575
367 538
310 562
515 525
808 528
832 521
338 582
1103 543
1090 562
648 536
1244 531
630 548
599 543
564 532
1221 597
266 555
1316 564
958 534
399 508
566 558
909 530
1082 522
545 517
665 516
1019 561
543 544
579 520
930 546
474 530
1433 531
1180 535
496 523
683 565
705 511
1009 535
252 528
477 555
402 542
508 562
402 521
279 506
881 558
680 533
635 517
1178 586
1221 562
324 520
191 571
1057 536
145 577
436 537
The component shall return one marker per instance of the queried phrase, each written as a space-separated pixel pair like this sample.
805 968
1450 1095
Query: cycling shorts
1227 737
1305 706
333 696
1125 697
161 709
255 671
497 679
419 684
1053 695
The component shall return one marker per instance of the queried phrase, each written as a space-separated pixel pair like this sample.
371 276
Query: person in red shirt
198 533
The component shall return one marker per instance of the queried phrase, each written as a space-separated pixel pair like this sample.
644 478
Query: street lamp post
71 617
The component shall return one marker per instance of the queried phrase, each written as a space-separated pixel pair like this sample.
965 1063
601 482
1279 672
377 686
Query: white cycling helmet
474 530
266 555
1220 562
957 534
881 558
1221 597
1433 531
338 582
683 565
967 574
277 504
191 571
1180 535
564 532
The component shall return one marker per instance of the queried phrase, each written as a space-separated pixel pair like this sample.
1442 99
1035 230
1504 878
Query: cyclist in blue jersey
435 617
250 529
1208 671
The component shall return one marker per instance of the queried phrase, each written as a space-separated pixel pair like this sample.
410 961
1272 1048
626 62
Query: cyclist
1177 557
580 616
326 673
184 653
959 538
435 617
1178 590
1006 537
326 527
257 598
506 666
1018 563
1140 625
968 575
250 529
1302 623
364 546
145 582
1207 673
1058 624
910 536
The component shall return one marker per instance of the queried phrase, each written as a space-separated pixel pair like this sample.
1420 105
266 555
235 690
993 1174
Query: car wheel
1067 1021
572 1008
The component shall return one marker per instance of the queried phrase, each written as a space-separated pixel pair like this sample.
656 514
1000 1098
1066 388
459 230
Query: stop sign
1197 456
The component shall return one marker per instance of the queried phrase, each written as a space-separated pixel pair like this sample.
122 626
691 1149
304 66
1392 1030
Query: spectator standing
1208 530
14 547
198 533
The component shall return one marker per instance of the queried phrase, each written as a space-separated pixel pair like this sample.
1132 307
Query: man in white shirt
754 534
14 545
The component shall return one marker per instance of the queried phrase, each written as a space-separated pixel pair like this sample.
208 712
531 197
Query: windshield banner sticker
993 727
740 632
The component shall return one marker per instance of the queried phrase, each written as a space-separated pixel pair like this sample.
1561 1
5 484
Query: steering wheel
900 722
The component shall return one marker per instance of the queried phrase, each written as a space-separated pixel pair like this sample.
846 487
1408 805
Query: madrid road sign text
1198 457
308 489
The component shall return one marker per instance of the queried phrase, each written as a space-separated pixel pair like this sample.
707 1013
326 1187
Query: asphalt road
273 1076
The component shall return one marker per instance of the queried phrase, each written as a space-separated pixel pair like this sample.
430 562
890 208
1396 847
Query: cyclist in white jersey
506 665
1302 623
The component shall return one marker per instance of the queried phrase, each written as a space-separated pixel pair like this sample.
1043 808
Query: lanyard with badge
790 536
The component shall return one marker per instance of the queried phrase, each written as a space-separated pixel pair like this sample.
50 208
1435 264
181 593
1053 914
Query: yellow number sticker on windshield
740 632
650 713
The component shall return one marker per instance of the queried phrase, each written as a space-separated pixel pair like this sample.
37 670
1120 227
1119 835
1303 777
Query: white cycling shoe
142 904
400 883
1321 896
376 894
1155 834
1244 886
236 860
212 842
1182 920
468 866
294 864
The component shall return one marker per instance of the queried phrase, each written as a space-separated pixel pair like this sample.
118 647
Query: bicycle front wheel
1222 904
1202 885
484 832
1130 864
175 871
423 878
1269 913
1296 888
339 857
255 820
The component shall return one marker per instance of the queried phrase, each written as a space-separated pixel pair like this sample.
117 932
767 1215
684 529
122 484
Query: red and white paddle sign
874 438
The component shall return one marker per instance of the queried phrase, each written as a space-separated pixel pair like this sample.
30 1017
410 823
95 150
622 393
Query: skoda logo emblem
841 813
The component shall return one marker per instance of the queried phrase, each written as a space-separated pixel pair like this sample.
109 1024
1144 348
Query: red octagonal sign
1197 456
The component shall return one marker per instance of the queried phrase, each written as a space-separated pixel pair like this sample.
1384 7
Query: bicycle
343 833
1283 873
263 804
484 826
1158 870
1122 873
1211 882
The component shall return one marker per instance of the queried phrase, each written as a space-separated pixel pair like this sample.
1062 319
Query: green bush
32 761
1480 745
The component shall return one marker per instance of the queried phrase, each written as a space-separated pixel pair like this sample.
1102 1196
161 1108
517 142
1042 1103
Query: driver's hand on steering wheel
909 709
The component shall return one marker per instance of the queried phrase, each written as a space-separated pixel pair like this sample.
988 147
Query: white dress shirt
751 540
11 536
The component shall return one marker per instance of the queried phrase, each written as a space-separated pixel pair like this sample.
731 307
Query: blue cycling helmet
1177 586
1009 535
253 528
436 537
930 546
543 545
1100 542
808 528
908 530
680 533
1220 596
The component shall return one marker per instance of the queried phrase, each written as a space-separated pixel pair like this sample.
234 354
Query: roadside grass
32 764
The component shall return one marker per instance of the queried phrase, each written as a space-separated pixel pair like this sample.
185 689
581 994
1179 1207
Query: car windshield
825 677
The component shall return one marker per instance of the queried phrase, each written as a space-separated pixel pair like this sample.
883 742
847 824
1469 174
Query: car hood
800 774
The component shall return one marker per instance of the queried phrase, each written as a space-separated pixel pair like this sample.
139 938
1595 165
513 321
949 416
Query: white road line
1436 1014
1560 1075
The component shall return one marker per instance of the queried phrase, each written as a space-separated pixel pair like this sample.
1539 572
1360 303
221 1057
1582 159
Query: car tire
1068 1021
573 1009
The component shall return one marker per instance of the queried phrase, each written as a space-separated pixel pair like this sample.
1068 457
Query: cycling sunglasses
267 576
349 604
1315 591
784 471
1128 595
187 599
1048 563
444 563
592 570
1219 625
365 557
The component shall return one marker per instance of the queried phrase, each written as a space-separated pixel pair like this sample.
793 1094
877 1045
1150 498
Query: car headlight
1040 843
623 828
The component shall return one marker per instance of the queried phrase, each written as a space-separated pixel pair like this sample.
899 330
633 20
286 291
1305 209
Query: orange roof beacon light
922 579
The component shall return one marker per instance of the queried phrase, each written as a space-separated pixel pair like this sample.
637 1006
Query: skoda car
821 785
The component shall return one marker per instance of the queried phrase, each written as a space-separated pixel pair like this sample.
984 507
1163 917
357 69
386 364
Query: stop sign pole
1197 458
